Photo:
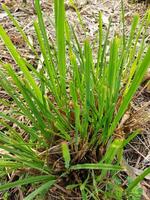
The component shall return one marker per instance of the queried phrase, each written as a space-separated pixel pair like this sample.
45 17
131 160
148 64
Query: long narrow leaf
25 181
135 83
42 188
97 166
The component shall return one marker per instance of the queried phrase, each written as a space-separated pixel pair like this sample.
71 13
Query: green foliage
136 192
26 181
116 190
71 113
137 180
44 188
66 154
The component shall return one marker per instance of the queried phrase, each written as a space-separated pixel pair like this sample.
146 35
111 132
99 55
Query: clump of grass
70 140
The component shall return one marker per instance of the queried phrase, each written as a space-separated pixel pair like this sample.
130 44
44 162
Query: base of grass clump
72 139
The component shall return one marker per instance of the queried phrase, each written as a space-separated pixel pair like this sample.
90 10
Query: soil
137 153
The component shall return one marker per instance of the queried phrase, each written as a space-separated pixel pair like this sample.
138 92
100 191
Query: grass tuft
70 140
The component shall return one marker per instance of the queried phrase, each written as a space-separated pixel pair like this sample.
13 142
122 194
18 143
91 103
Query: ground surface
137 154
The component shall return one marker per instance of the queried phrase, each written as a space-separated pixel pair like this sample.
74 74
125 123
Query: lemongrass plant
70 137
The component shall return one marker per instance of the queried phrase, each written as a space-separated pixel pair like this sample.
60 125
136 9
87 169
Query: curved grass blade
16 24
25 181
43 188
21 125
136 181
131 91
18 59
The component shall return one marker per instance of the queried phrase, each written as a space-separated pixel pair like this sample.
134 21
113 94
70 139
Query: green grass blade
66 154
136 181
79 48
21 125
45 48
56 4
43 188
113 69
60 38
17 141
130 138
76 111
133 49
48 64
43 30
13 165
16 24
25 181
31 104
16 56
97 166
88 89
112 151
8 86
100 38
88 67
133 29
123 23
135 84
78 13
104 48
131 74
